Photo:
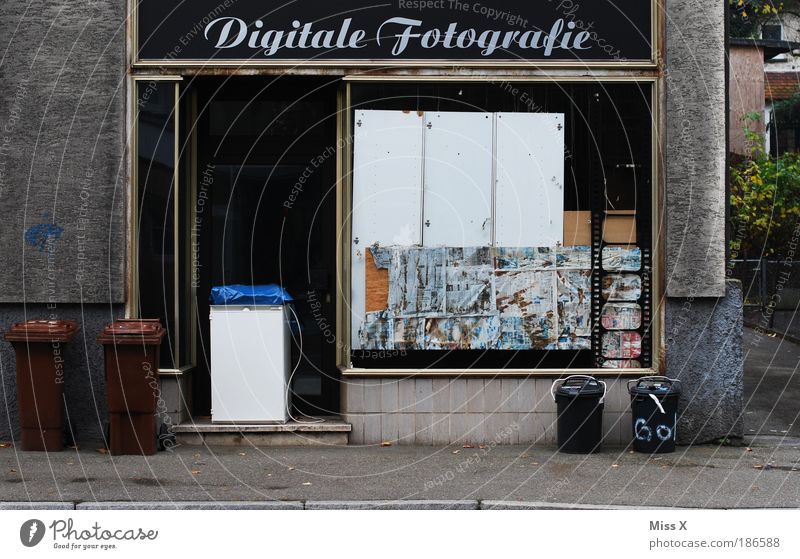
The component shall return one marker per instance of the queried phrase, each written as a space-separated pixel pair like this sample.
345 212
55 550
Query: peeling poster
524 258
574 302
527 332
525 293
376 332
469 281
463 332
622 287
622 259
416 281
620 344
621 316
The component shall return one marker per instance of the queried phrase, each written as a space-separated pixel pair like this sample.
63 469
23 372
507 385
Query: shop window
486 217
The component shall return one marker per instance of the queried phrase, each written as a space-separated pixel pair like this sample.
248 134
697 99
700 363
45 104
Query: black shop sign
320 32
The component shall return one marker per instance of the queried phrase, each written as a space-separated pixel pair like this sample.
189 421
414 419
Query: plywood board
577 228
457 181
529 191
620 227
376 285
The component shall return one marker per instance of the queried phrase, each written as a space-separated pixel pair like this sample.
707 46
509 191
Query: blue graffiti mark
39 235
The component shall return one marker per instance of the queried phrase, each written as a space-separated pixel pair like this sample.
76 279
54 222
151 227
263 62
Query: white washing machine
250 364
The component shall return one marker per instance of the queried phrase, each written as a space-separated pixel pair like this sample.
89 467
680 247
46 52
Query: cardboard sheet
577 228
620 344
621 316
622 287
622 259
620 227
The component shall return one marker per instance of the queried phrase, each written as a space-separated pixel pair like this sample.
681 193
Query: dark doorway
265 210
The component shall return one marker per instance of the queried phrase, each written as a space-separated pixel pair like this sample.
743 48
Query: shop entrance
265 214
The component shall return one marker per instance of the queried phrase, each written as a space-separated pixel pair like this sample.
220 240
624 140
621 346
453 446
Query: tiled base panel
467 411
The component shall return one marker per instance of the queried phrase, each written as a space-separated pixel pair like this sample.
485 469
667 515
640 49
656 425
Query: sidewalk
703 476
765 474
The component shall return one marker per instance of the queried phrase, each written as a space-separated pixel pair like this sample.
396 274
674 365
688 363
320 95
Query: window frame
344 193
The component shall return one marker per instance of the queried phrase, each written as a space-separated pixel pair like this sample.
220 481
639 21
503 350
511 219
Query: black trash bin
579 400
654 407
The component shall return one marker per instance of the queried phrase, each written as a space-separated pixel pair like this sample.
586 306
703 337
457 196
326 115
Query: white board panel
457 184
387 191
529 197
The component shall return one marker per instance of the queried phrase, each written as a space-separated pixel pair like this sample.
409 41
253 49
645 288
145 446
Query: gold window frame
344 189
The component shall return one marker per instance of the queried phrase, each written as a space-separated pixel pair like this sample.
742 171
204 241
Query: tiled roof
780 85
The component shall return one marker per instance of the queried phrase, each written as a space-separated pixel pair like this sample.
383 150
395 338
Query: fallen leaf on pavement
615 465
456 451
467 446
195 472
291 467
749 449
12 471
481 446
386 443
102 450
5 445
242 454
306 483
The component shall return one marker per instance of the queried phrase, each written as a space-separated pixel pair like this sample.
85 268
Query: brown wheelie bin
39 347
132 356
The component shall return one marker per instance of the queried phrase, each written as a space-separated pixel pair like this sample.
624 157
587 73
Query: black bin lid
660 386
583 387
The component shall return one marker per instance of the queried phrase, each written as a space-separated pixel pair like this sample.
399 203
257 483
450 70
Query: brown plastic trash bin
40 380
131 356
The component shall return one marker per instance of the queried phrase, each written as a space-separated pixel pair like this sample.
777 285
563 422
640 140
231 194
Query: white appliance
250 363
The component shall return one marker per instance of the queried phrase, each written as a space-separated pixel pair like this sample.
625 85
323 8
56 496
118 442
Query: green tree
747 16
764 199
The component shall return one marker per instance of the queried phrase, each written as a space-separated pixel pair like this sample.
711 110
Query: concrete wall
84 372
62 164
746 95
695 155
704 350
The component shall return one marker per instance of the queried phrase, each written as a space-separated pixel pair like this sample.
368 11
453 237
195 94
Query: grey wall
696 152
84 373
62 140
704 350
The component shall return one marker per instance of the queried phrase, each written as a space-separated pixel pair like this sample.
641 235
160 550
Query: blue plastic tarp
249 295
